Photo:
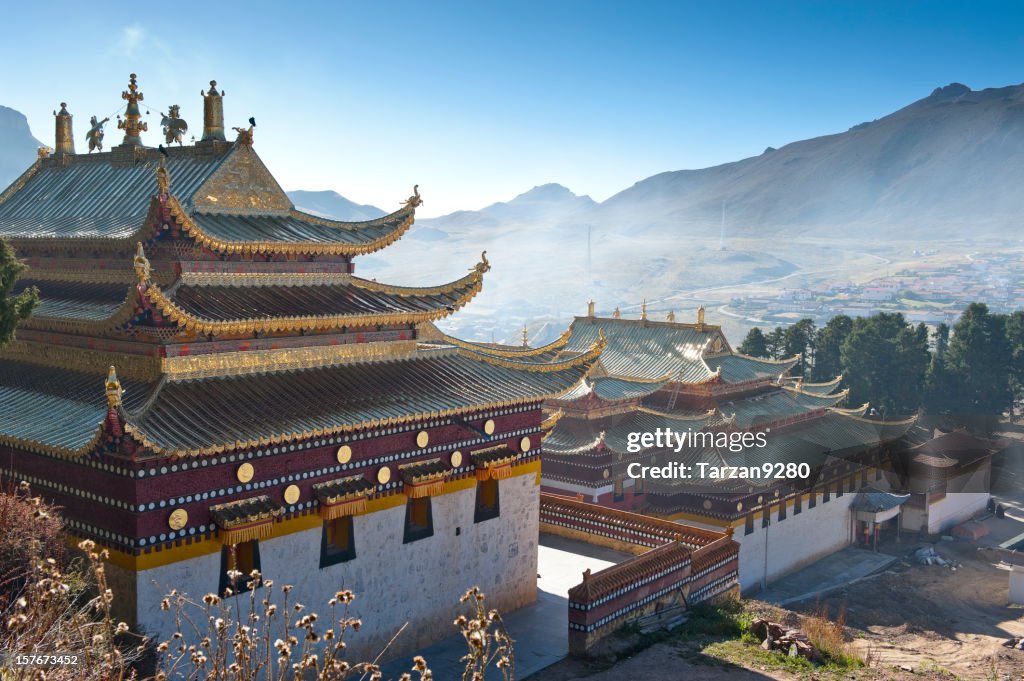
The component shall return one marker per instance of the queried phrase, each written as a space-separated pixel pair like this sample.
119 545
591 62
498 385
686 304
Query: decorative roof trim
797 390
789 360
195 231
592 353
121 315
556 344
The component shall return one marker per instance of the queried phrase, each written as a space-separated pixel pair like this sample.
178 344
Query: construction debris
790 641
927 555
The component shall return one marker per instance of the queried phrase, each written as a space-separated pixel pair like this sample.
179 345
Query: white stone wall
795 542
1016 594
953 509
394 583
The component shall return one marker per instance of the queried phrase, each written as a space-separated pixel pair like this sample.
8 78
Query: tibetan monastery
206 384
685 377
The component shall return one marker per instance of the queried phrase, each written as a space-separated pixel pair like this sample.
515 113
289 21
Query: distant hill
333 205
948 163
17 146
545 203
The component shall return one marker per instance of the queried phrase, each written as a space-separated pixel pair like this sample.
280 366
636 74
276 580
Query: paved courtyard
839 569
540 631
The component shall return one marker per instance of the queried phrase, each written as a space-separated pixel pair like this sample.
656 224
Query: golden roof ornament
141 263
484 265
113 389
213 114
163 181
132 123
590 308
700 315
526 337
671 316
245 136
95 134
414 201
643 310
43 152
616 314
174 125
64 139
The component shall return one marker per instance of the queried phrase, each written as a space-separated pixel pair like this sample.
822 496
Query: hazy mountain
17 146
333 205
543 204
949 162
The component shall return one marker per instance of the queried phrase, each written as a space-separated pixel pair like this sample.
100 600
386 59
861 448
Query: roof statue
484 265
43 152
671 316
95 134
616 314
174 126
414 201
244 135
132 123
113 389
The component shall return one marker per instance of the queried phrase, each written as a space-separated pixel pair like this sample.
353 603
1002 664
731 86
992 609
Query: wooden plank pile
774 636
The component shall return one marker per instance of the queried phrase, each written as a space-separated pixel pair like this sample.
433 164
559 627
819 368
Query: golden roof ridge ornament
526 337
245 136
643 310
64 139
174 125
43 152
671 316
132 123
113 389
484 265
213 114
414 201
141 263
95 134
163 181
616 314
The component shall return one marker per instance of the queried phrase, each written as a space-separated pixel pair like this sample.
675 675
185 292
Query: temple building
685 378
206 385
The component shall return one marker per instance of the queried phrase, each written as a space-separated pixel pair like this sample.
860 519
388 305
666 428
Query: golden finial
616 314
602 340
163 181
700 315
671 316
590 309
43 152
643 310
484 265
526 337
213 113
141 264
64 141
114 391
132 124
414 200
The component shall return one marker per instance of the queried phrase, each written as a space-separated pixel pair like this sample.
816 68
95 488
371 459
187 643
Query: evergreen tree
979 358
884 362
13 308
775 341
938 384
1015 337
827 345
754 344
798 339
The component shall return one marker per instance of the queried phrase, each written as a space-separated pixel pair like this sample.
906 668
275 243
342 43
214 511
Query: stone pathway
840 569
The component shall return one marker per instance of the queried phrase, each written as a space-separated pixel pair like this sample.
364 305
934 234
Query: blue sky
479 101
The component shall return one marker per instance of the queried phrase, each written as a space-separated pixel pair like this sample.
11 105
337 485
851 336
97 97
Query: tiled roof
298 227
77 300
825 388
94 198
244 511
576 436
775 406
875 500
609 580
740 368
343 488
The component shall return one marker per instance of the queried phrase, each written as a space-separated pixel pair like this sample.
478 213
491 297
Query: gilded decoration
344 454
178 519
291 494
282 359
383 475
554 345
81 359
414 201
113 389
583 358
456 459
241 184
245 472
422 439
132 123
25 177
489 426
525 444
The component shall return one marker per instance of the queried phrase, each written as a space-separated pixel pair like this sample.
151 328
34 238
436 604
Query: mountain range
17 145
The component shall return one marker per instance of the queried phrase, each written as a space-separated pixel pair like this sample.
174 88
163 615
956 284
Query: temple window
748 524
243 557
487 500
782 510
618 489
812 499
798 501
766 519
825 494
337 543
839 489
419 523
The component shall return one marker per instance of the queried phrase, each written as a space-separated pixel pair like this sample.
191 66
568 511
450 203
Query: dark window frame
331 553
225 564
483 510
415 531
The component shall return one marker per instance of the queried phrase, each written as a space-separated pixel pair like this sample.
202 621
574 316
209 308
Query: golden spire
132 123
526 337
213 114
163 181
43 152
616 314
671 316
64 141
590 308
643 310
114 391
700 316
141 264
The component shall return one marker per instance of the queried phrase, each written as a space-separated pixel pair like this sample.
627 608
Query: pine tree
754 344
798 339
1015 337
979 358
13 308
828 342
884 362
